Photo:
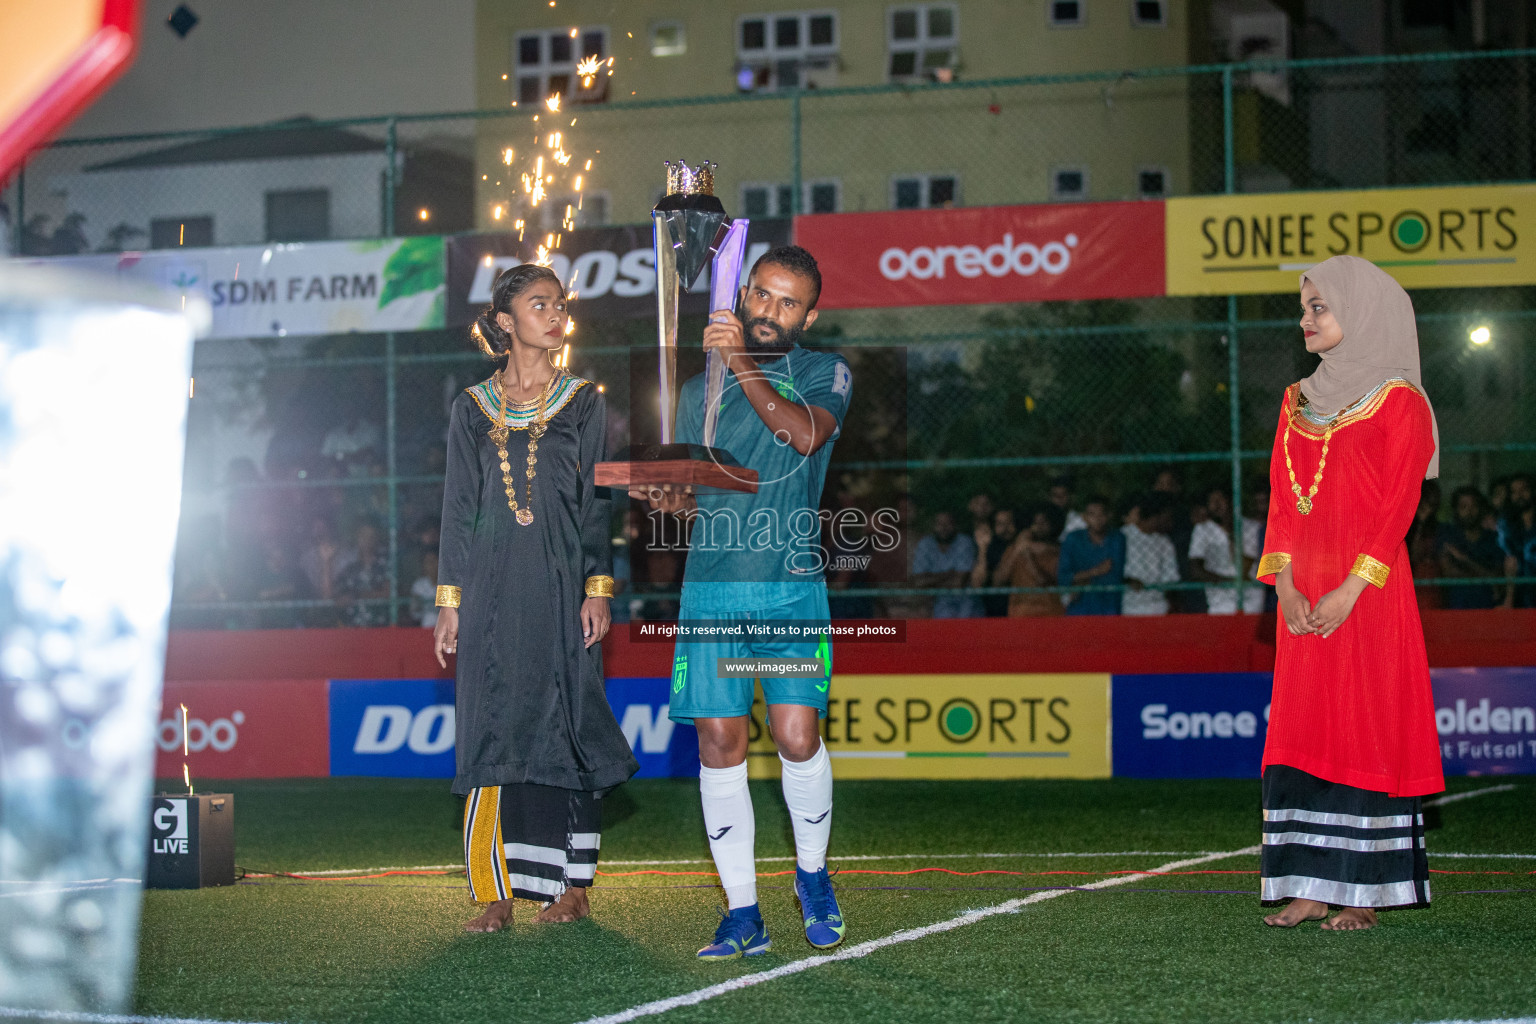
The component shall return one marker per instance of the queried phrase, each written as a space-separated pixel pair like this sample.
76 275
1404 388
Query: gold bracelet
1272 564
599 586
448 597
1370 570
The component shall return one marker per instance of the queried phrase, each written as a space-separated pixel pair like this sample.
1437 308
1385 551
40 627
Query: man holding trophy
755 560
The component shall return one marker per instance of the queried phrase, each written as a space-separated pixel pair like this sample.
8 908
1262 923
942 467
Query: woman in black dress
525 581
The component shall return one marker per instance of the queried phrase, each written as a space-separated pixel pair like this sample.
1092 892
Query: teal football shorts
699 692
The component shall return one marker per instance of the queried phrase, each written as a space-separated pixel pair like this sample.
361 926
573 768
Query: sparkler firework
545 184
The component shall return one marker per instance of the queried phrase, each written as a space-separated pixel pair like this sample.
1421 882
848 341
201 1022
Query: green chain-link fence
297 444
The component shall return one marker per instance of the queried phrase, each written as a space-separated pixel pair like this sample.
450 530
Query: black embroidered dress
531 714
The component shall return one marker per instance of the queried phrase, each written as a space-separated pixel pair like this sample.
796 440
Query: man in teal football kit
758 559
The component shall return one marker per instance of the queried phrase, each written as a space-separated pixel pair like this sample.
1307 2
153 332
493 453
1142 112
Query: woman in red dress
1352 746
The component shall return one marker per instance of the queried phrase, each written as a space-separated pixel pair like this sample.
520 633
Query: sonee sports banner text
1425 237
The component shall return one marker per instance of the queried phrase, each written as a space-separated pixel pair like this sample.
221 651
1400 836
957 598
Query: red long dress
1354 708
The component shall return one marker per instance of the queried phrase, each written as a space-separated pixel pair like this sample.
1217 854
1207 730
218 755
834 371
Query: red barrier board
250 729
987 254
1170 643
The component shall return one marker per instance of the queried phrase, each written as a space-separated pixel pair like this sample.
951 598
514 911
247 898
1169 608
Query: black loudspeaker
191 841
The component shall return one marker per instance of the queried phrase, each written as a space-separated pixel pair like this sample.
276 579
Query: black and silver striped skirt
530 841
1337 844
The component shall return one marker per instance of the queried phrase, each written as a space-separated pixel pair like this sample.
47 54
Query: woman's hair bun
493 341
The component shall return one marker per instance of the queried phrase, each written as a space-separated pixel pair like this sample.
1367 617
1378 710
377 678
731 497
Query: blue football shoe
823 918
741 933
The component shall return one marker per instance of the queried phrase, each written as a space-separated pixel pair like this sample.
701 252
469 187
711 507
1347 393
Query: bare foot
1351 919
571 906
1297 911
496 917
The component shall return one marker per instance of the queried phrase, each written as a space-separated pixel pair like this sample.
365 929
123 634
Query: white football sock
732 831
808 795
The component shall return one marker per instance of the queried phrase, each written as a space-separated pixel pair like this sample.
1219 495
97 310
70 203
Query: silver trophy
690 227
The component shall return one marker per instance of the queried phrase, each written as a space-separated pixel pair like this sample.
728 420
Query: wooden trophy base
690 467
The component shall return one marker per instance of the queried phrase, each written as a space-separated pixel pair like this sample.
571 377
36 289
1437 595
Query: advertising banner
664 748
1486 718
393 728
404 728
609 272
251 729
987 254
1469 237
1212 725
958 727
391 284
1201 725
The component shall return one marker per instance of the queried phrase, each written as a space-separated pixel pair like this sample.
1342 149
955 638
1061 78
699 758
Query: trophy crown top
683 180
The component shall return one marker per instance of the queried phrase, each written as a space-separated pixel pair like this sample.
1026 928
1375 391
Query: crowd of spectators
320 556
1163 543
1488 537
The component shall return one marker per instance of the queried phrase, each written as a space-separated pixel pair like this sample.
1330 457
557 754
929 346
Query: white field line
68 1017
332 872
1451 798
863 949
931 856
73 1017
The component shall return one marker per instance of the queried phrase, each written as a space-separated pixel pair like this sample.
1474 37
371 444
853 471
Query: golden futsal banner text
1425 237
958 727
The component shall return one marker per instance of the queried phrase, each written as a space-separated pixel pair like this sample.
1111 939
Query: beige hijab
1381 340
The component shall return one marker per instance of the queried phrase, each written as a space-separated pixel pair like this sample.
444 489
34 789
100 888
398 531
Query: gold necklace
501 431
1304 501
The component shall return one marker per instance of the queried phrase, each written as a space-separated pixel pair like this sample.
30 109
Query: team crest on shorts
679 673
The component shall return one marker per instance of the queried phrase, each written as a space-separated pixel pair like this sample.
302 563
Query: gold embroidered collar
1363 409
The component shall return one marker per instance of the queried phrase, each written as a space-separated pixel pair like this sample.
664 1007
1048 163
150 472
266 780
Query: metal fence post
20 226
794 151
392 471
1229 176
1228 151
388 220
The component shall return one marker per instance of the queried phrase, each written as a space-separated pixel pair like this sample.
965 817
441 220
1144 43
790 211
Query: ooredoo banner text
987 254
250 729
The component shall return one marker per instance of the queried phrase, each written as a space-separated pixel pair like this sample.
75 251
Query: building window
925 191
1067 13
767 199
763 199
173 232
299 215
923 40
546 65
822 197
1069 183
787 50
1151 182
1148 13
668 39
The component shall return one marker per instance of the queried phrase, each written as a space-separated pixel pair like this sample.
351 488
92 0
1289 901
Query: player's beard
784 338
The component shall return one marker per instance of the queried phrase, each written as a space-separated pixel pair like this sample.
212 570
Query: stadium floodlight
1480 335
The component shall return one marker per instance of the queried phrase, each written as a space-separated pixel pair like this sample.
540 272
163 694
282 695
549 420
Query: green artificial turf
1175 947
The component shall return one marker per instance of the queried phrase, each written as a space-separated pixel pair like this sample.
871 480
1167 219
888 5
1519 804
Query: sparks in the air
587 70
553 103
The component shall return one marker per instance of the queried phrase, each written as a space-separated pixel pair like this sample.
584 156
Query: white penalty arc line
864 949
1451 798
